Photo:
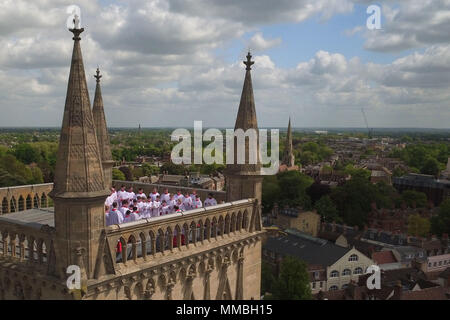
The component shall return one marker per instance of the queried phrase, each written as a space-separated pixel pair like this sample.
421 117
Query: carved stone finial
249 62
97 75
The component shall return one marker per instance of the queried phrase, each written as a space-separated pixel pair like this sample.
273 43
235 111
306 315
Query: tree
118 175
270 192
327 209
26 153
414 198
294 185
293 281
353 200
418 226
317 190
431 166
267 278
441 223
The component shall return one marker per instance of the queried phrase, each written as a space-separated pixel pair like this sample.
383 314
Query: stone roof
35 218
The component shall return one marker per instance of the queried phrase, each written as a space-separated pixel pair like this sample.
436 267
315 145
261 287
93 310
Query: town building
331 267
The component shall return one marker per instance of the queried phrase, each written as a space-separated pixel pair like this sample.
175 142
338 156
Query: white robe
154 195
165 196
114 217
210 202
156 208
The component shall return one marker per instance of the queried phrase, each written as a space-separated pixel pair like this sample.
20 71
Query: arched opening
177 237
227 224
5 206
169 239
131 248
207 231
239 221
233 222
121 251
21 204
245 221
43 200
192 232
28 203
13 205
160 241
214 228
36 201
151 248
221 226
185 235
200 234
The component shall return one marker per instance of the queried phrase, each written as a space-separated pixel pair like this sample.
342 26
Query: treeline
424 158
349 203
27 163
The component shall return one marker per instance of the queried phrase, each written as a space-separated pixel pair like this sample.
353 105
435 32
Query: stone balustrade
32 245
20 198
169 235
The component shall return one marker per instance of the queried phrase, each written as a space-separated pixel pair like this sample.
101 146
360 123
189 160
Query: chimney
333 226
344 229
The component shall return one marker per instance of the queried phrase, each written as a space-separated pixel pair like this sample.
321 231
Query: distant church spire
288 157
78 170
98 114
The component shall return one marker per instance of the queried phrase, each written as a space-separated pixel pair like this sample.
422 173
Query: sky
167 63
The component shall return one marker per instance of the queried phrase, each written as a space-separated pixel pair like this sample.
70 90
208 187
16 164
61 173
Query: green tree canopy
441 223
327 209
118 175
414 198
293 281
418 226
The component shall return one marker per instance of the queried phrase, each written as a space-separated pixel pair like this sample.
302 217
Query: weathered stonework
207 253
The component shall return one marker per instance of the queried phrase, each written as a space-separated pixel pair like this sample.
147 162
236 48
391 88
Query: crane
367 124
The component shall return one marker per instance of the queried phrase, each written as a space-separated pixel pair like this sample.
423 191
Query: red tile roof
383 257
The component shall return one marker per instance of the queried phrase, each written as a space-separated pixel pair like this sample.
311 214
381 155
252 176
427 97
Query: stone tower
288 156
102 132
245 180
79 189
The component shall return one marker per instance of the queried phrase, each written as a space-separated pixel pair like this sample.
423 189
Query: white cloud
258 43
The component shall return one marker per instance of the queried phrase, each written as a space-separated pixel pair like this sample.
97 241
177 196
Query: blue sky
167 58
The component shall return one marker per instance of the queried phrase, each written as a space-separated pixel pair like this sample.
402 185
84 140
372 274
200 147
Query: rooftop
311 250
35 218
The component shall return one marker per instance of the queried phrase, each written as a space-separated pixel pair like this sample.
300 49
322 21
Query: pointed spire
78 170
100 121
289 158
246 117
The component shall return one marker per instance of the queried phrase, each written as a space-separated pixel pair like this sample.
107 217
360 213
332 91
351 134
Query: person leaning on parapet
210 201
